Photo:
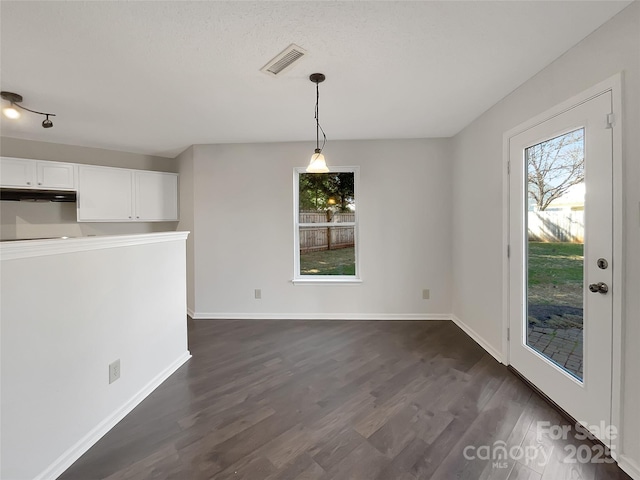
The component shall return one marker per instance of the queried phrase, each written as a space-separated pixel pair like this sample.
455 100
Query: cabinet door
56 175
17 172
156 196
105 194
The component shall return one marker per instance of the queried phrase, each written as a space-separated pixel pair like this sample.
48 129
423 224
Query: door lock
600 287
602 263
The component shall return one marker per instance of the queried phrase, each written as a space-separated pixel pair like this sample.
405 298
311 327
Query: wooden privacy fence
314 239
321 217
556 226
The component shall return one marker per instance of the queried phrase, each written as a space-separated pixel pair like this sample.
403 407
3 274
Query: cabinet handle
28 183
129 216
39 183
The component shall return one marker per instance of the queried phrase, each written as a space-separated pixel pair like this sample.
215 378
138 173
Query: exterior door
560 268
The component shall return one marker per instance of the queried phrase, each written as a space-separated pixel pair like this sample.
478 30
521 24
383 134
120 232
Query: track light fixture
11 111
317 163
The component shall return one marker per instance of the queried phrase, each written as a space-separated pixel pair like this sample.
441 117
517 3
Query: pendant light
317 163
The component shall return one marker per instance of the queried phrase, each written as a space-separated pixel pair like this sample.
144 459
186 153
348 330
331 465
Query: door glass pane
555 261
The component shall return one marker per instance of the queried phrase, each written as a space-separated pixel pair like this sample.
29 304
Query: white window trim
324 279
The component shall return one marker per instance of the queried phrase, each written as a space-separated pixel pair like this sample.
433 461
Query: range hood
24 195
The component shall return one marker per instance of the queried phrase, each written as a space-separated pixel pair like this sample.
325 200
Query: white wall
244 222
64 319
31 220
57 152
478 171
186 224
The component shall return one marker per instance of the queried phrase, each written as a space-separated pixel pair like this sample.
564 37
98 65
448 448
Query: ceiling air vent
284 61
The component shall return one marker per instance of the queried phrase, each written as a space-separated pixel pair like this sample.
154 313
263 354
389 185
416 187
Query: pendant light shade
318 163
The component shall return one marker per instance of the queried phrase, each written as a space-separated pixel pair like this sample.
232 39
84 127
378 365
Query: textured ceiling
156 77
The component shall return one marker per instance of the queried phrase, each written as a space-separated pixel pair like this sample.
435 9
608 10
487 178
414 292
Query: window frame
298 278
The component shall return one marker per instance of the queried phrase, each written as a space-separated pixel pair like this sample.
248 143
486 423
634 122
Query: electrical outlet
114 371
258 293
425 294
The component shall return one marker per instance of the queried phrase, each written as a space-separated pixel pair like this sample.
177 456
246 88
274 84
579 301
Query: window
326 225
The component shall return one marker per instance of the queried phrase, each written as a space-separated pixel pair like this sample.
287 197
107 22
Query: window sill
326 281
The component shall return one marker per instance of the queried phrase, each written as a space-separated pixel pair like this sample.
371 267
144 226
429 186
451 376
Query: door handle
600 287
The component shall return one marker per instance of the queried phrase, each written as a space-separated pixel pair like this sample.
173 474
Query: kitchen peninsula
71 308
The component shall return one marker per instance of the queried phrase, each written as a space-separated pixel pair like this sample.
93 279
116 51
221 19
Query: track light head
11 111
46 123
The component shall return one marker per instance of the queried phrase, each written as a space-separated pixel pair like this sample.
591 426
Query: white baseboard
478 338
318 316
191 313
76 451
629 466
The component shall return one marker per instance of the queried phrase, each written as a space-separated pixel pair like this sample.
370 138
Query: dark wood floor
335 400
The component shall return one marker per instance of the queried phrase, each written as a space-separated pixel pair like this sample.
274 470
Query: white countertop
10 250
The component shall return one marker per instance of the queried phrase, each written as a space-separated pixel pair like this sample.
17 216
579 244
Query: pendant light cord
318 127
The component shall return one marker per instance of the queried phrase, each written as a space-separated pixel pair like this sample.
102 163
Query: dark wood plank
333 450
363 463
521 472
302 468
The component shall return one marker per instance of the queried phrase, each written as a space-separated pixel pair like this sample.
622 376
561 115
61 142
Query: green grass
555 274
329 262
555 264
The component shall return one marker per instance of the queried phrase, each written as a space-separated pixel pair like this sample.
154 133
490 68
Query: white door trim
614 85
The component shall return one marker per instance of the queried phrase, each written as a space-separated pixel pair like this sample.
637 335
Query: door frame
614 85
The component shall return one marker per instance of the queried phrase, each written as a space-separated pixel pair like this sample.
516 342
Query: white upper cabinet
105 194
156 196
120 195
56 175
27 173
17 172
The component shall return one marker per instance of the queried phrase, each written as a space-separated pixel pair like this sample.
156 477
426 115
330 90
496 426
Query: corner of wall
187 217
